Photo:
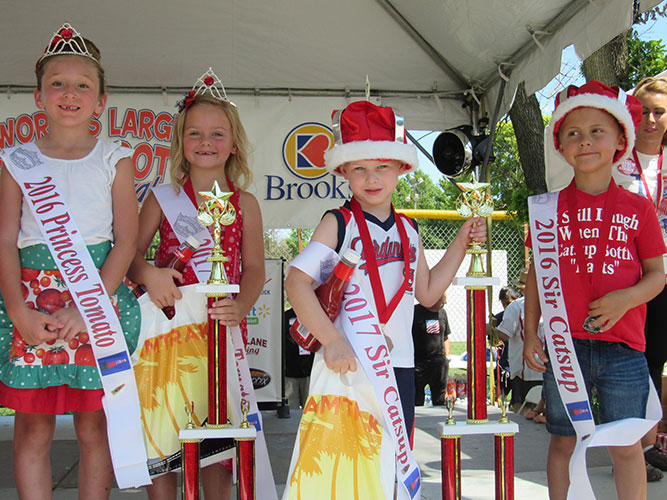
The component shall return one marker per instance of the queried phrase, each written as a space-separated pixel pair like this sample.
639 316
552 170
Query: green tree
645 58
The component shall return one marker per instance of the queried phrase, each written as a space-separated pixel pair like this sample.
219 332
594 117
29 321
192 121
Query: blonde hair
651 85
237 168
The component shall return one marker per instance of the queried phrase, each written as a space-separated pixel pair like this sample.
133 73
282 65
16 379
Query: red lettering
163 126
7 133
113 128
146 118
41 124
24 128
130 123
142 169
541 225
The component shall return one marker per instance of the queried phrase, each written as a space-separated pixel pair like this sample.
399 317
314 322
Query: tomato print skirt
56 376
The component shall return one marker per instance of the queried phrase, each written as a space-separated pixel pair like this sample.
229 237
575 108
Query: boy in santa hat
371 153
591 290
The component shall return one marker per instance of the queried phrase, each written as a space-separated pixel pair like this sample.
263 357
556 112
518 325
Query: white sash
68 249
364 334
182 215
567 373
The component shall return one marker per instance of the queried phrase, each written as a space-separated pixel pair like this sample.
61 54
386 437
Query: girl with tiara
83 199
208 144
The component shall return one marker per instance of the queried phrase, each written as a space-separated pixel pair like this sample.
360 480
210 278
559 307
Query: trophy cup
474 201
215 210
455 153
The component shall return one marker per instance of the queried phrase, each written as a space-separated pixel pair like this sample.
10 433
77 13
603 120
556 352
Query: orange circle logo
304 147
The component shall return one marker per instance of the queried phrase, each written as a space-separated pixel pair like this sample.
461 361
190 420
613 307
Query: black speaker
457 150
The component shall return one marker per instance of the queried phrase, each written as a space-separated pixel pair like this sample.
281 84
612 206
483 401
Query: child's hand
472 229
228 311
532 351
339 356
72 322
161 287
608 309
36 327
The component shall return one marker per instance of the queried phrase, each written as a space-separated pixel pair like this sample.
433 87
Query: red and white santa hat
625 108
364 131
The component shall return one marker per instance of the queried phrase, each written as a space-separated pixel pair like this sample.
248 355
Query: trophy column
217 211
475 201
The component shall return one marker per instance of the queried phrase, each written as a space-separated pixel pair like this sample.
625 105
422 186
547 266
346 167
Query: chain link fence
508 256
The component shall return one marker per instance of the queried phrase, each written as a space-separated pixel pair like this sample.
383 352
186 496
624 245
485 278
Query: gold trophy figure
474 201
217 210
450 400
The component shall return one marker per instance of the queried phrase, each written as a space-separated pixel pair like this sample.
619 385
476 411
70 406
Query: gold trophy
474 201
449 401
503 399
217 210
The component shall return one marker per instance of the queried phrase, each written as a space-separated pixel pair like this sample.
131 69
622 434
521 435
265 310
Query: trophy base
217 290
201 433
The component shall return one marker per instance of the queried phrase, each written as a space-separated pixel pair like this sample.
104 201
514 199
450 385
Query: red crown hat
625 108
66 41
364 131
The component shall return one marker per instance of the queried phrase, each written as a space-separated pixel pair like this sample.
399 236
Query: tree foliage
645 58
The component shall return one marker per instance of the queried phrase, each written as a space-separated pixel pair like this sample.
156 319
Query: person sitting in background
511 331
506 296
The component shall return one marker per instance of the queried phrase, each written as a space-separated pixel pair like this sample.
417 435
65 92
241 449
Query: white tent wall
288 63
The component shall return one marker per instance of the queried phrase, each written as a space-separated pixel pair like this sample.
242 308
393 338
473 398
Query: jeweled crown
67 41
208 83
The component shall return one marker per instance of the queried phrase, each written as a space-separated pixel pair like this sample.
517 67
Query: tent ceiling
407 48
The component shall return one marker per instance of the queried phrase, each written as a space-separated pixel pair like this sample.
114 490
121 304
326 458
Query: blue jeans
619 374
405 380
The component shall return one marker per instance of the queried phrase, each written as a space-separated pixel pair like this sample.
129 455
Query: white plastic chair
533 396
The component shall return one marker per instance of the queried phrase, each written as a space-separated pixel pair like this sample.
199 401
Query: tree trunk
529 130
608 64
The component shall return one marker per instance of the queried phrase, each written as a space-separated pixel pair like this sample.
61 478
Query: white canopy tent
294 61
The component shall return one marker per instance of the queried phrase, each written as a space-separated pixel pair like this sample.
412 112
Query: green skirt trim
76 376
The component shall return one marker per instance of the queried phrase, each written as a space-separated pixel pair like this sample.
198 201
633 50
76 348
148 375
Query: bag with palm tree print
341 446
170 365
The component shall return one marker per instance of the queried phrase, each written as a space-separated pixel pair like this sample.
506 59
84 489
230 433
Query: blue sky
569 75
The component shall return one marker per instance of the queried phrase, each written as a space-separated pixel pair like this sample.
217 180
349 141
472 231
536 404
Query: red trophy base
245 453
504 460
245 442
451 467
190 468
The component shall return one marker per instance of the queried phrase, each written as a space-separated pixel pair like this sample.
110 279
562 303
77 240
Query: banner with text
288 137
264 350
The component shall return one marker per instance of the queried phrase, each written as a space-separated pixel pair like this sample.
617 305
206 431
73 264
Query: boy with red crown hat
598 260
371 153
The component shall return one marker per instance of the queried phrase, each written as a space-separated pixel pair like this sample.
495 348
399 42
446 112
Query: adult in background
642 174
298 363
511 331
506 296
430 332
